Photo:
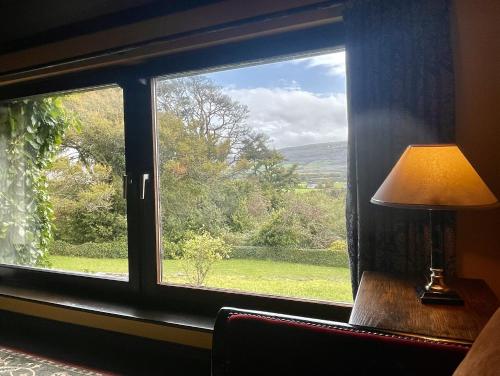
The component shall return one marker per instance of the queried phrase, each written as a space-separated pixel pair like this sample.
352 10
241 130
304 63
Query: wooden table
390 303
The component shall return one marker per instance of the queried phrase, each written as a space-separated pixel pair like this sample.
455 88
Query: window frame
138 84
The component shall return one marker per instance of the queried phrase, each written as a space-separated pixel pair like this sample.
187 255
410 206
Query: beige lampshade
434 177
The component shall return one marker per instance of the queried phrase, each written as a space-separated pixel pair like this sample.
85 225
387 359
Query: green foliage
85 202
199 254
266 165
280 231
171 250
100 138
31 132
338 245
207 113
323 257
85 180
312 220
109 250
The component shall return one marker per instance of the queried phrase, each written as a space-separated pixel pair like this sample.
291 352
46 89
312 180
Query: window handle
142 185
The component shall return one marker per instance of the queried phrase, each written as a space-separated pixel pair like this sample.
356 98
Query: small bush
171 250
199 254
338 245
322 257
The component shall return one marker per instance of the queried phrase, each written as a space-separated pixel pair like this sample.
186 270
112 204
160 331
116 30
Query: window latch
142 185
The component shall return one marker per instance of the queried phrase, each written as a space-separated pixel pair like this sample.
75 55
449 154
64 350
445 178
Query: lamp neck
436 238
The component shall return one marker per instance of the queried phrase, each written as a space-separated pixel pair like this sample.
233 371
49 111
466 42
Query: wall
476 30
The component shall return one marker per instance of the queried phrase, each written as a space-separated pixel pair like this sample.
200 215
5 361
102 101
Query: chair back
263 343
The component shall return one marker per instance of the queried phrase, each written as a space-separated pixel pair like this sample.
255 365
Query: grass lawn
260 276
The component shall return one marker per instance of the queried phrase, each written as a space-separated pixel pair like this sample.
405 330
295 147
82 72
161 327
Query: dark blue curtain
400 87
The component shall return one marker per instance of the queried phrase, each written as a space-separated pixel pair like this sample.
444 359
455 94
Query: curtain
400 87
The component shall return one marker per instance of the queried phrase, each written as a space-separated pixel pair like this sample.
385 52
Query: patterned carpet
16 363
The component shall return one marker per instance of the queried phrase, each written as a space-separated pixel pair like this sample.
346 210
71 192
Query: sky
295 102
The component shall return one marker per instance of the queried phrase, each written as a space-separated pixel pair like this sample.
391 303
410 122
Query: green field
261 276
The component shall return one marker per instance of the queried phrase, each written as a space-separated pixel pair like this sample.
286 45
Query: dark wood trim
140 117
117 19
204 30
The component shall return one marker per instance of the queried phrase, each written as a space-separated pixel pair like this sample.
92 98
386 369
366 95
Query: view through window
252 175
62 158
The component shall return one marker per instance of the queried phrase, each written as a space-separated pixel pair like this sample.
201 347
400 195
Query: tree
207 112
214 172
100 138
189 181
267 164
84 201
85 181
312 220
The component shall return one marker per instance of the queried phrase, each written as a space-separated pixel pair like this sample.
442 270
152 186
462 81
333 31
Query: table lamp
435 177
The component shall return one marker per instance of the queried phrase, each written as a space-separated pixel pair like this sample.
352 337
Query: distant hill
319 162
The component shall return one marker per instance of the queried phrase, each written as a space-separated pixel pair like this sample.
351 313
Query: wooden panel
200 18
107 351
390 303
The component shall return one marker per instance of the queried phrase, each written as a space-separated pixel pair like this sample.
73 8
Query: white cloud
294 117
333 62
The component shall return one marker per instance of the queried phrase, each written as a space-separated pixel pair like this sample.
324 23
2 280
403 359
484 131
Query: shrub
114 250
171 250
311 220
282 230
199 253
338 245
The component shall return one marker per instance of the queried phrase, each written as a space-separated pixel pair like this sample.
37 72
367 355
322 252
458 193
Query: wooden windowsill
180 328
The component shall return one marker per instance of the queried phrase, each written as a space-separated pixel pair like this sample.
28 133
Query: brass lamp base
437 292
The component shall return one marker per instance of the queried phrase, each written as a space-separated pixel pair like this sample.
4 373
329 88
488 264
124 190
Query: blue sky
295 102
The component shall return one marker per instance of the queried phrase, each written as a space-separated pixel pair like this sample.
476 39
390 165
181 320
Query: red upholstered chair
262 343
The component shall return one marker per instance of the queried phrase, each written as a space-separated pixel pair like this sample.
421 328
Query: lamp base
437 292
449 297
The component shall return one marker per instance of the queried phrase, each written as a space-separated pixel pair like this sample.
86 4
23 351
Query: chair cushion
484 355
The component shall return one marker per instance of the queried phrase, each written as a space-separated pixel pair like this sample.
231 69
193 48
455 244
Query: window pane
252 172
61 162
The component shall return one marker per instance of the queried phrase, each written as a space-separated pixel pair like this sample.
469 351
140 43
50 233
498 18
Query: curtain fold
400 87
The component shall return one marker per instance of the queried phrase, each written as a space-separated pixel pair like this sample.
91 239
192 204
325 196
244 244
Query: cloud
333 62
292 117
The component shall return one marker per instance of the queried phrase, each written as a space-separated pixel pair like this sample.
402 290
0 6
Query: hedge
114 250
118 249
322 257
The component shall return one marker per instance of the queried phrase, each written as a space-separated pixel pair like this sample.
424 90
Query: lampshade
434 177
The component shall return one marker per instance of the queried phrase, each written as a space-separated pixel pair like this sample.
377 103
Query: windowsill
182 328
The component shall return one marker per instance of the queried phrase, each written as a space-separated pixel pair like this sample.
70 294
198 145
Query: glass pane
252 171
62 158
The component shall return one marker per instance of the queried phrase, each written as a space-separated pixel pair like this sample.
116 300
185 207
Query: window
252 175
221 186
61 204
